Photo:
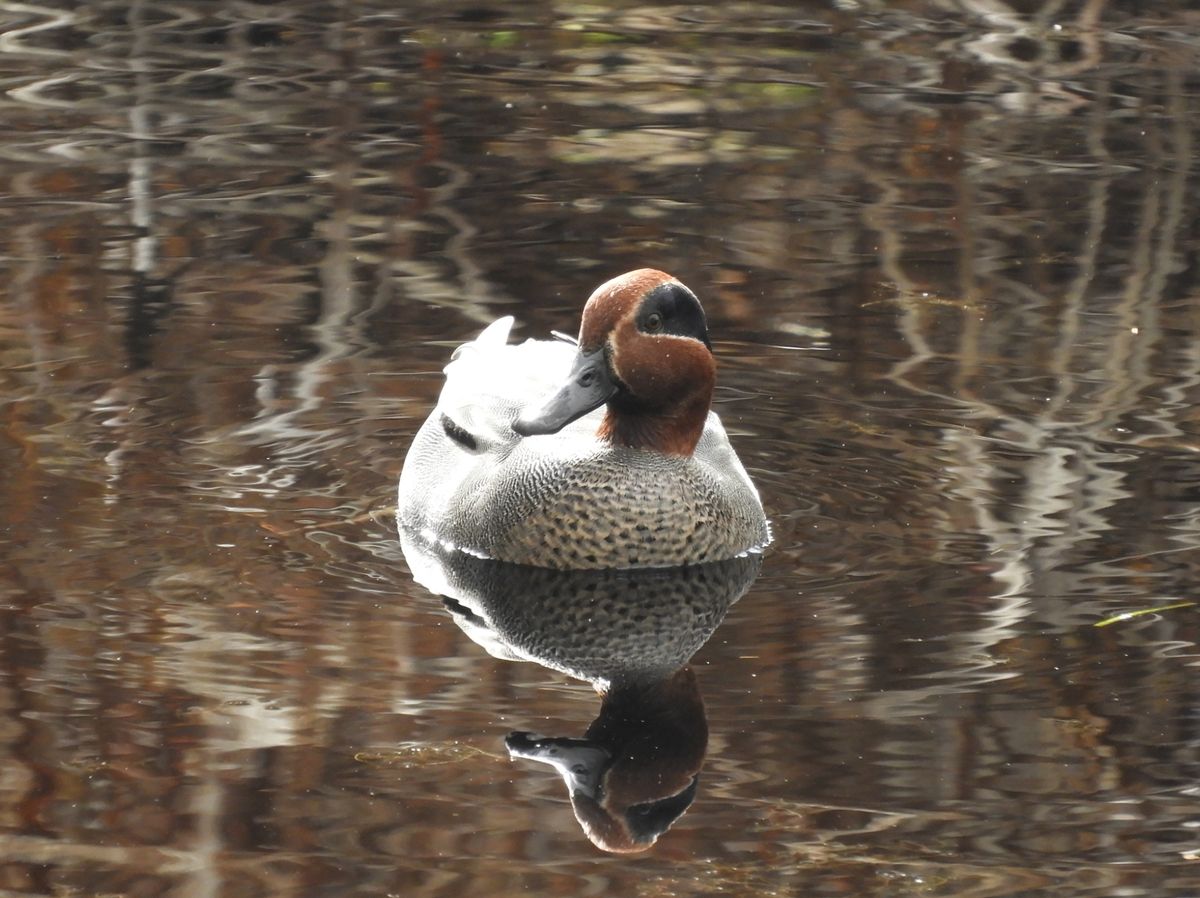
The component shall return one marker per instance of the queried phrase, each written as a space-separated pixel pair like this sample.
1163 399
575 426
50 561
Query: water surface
948 255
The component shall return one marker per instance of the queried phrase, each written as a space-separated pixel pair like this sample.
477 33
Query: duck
596 453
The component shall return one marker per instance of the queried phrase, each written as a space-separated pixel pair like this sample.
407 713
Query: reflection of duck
650 481
599 626
636 769
630 633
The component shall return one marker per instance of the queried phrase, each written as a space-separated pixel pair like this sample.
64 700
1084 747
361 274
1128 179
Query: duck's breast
584 504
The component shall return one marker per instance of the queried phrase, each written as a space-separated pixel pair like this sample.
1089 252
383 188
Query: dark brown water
949 257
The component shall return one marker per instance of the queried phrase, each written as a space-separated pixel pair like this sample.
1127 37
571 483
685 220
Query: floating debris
1129 615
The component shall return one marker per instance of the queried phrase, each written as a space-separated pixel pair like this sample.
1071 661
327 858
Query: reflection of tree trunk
148 300
1170 252
1069 321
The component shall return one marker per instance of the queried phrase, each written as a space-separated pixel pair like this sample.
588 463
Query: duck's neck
676 433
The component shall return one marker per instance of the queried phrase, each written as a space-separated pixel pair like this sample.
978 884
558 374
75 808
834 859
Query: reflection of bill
630 634
635 770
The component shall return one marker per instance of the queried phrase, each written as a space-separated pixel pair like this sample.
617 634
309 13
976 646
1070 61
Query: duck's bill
581 762
588 386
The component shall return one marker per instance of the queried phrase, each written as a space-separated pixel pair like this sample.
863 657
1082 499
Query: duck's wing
489 381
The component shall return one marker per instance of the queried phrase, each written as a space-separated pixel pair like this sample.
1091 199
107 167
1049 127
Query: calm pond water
948 251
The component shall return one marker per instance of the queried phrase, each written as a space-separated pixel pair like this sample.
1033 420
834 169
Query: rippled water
948 254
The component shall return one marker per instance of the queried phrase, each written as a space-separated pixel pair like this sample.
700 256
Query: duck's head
643 350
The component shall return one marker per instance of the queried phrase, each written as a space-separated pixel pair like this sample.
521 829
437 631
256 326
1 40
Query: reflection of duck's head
635 770
644 352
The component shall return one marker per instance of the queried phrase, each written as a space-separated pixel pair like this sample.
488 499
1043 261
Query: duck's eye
654 322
